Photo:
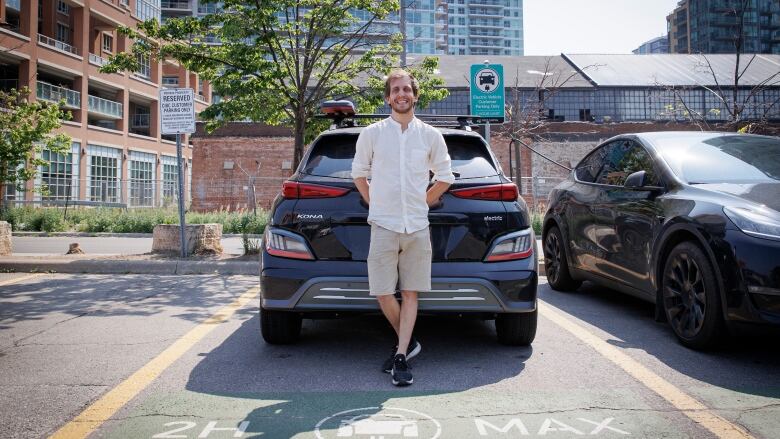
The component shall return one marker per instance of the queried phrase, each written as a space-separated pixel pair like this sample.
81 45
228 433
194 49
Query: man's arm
362 187
442 169
361 164
435 192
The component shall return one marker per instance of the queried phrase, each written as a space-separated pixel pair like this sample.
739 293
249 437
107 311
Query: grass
36 219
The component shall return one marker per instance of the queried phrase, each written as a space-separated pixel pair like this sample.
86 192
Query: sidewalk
120 254
134 261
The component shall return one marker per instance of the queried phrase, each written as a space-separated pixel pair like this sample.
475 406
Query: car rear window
723 159
332 156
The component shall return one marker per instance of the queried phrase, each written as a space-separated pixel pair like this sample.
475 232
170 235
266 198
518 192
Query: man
398 153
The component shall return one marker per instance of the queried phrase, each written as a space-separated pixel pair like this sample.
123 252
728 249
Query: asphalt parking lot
181 356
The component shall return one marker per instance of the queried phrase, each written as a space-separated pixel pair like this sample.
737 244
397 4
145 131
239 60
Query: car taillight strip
295 190
278 244
496 192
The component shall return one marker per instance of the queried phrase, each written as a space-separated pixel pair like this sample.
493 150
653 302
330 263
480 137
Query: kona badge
309 216
494 218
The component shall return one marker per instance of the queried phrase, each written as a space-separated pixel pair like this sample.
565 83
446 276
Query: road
40 246
135 352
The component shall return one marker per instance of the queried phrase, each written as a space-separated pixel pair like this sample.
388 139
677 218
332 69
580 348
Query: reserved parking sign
177 110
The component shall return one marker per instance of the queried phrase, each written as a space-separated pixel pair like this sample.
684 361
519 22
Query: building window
170 174
59 178
108 43
63 7
144 66
142 178
104 174
170 81
63 33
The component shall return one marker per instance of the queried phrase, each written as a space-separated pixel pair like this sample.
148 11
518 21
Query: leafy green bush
96 220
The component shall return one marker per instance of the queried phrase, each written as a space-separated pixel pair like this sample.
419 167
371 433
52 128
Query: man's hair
400 73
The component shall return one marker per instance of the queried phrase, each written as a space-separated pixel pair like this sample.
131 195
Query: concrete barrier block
6 247
201 239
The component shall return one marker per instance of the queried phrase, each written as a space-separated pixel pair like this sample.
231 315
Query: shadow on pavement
336 368
112 295
746 364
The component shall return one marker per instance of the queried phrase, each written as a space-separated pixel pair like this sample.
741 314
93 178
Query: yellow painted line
102 410
19 279
688 405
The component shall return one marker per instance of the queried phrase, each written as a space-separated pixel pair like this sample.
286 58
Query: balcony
52 93
489 24
485 13
59 45
499 3
97 60
104 107
140 121
179 5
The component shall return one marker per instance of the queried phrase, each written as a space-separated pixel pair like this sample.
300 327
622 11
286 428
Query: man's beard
409 109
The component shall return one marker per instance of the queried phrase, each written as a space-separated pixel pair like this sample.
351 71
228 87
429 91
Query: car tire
280 327
516 329
556 266
691 297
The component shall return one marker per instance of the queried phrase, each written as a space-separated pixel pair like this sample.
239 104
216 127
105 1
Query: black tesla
687 220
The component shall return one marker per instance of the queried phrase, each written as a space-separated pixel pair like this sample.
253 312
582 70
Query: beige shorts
402 259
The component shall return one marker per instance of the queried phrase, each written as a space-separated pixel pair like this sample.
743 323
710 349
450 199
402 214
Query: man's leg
407 319
392 311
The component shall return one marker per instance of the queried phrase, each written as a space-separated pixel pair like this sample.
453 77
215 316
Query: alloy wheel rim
685 297
552 260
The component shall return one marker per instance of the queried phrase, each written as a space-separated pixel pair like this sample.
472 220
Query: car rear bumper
459 287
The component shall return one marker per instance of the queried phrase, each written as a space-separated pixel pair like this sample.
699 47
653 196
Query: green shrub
51 220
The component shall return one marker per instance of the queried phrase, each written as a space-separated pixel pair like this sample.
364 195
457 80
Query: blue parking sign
487 92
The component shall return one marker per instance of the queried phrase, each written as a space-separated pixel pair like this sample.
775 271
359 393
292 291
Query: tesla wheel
691 299
555 265
280 327
516 329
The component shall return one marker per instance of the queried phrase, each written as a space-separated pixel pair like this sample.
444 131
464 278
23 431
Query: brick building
119 156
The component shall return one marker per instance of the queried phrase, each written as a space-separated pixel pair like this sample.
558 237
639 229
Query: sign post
487 94
177 116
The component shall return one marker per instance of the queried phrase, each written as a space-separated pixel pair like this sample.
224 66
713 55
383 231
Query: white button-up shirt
398 163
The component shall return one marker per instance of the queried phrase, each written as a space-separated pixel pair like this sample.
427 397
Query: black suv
313 263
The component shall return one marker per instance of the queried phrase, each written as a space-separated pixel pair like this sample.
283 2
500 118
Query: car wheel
280 327
517 329
691 299
555 265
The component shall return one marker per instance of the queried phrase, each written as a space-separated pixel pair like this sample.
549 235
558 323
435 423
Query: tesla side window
589 167
622 159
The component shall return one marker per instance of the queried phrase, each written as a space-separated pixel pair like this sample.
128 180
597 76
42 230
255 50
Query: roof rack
463 122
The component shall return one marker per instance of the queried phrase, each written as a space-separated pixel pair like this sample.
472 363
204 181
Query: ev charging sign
487 92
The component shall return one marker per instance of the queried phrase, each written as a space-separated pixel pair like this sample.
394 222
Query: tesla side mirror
635 180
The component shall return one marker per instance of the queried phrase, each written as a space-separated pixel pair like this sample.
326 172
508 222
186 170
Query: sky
552 27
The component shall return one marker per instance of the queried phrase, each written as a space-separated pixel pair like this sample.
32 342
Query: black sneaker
400 372
414 348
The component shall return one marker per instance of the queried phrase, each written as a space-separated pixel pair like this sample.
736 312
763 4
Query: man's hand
362 186
435 192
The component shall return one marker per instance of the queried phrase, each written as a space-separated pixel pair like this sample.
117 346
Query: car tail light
293 189
495 192
518 245
286 245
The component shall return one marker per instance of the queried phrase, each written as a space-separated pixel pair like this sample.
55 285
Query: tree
277 60
527 117
733 105
25 131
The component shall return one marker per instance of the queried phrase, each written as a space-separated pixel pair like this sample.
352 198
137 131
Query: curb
174 267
